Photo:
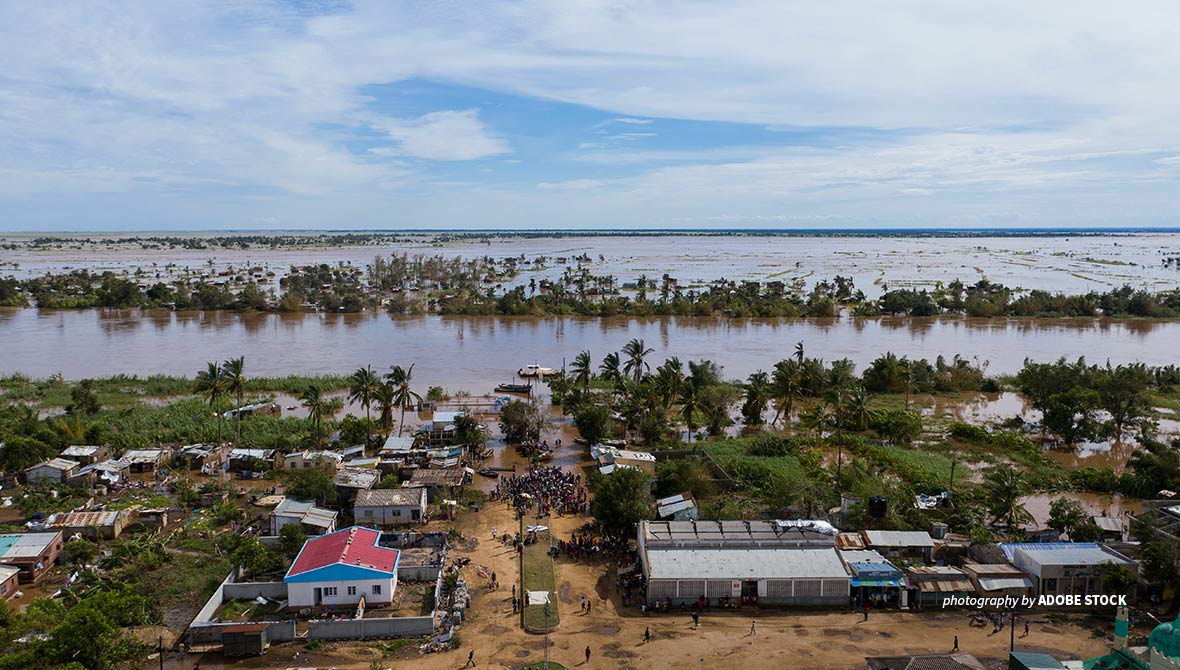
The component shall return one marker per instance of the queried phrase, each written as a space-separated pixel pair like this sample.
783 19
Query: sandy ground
615 634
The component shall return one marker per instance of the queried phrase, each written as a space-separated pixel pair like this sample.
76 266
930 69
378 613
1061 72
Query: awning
876 583
997 583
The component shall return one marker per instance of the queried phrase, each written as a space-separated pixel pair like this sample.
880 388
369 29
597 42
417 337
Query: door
415 514
750 588
318 596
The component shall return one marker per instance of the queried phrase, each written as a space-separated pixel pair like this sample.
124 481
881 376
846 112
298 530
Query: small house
680 507
312 458
85 455
103 473
32 553
314 520
877 584
438 481
245 639
53 471
350 481
9 582
938 583
1111 527
251 460
397 446
912 545
625 458
371 462
342 569
204 457
154 518
146 460
390 507
105 525
355 451
998 580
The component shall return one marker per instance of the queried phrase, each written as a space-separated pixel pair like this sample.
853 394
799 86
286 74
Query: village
492 532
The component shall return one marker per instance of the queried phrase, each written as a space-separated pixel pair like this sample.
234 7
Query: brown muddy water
475 353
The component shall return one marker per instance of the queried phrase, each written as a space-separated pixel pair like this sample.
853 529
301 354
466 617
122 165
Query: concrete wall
355 629
418 573
251 590
302 594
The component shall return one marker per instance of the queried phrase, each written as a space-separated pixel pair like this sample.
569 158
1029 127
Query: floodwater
474 353
1097 504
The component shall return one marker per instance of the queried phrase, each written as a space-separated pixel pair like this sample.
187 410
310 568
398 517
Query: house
204 457
245 639
156 517
727 562
32 553
146 460
441 429
85 455
938 583
998 580
106 525
371 462
314 520
1111 527
350 481
341 569
912 545
954 661
53 471
103 473
878 583
251 460
624 458
1067 568
390 507
9 582
438 481
313 458
680 507
355 451
397 446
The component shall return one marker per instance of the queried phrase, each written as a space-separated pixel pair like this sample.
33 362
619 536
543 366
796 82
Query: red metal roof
351 546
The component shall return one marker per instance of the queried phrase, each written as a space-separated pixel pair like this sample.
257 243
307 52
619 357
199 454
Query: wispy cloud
447 136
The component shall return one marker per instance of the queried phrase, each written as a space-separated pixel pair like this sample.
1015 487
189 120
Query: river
473 353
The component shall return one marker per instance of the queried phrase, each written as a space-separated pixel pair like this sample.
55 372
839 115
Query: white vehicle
534 370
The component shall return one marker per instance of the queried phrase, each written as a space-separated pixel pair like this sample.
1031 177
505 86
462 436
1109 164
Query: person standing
647 634
956 647
753 626
696 620
587 653
1026 628
470 659
866 611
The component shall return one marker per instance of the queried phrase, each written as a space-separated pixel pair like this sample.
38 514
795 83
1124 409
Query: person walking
866 611
1025 628
696 620
587 653
470 659
753 626
956 647
588 605
647 634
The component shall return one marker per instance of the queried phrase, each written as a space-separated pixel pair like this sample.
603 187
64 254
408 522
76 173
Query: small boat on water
488 472
514 388
486 453
534 370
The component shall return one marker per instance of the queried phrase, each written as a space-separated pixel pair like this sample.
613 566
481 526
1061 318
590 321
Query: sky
588 114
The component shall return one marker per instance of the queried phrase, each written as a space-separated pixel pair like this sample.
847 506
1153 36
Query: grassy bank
126 390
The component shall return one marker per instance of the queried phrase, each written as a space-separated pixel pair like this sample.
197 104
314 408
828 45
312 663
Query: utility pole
160 649
546 631
1012 631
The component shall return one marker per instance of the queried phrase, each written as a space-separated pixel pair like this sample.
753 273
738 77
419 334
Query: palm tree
1003 486
384 397
757 389
213 384
799 352
582 370
857 415
636 351
670 380
362 388
784 388
610 367
399 378
235 374
690 405
314 401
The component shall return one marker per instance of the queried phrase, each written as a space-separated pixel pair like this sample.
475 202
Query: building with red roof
342 568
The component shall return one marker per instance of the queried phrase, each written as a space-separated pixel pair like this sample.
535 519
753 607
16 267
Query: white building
315 520
390 507
341 569
1067 568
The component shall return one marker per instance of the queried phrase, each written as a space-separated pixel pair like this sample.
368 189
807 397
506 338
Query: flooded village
267 489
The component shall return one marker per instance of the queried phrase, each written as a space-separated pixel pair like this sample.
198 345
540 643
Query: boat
534 370
514 388
486 453
488 472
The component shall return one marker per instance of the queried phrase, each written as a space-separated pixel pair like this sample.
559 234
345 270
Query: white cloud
447 136
632 121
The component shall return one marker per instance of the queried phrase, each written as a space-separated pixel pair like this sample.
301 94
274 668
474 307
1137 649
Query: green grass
125 390
537 574
752 472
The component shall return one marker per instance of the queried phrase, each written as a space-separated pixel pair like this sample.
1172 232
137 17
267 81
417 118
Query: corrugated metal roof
729 533
744 563
81 450
1109 524
862 556
356 478
143 455
65 465
390 497
945 585
899 538
1003 583
1063 553
84 519
395 443
850 541
355 546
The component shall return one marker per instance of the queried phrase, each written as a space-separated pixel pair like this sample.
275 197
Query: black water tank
877 507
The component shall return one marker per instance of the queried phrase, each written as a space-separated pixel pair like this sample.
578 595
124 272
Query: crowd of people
549 488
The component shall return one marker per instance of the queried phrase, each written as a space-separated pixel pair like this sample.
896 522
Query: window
352 590
395 512
377 589
368 512
329 590
1051 585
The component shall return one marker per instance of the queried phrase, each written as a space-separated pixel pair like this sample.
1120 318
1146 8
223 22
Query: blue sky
529 114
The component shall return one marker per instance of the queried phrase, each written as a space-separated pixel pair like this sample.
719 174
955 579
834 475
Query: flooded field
475 353
1073 264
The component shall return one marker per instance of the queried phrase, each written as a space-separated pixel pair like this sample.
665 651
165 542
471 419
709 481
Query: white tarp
537 597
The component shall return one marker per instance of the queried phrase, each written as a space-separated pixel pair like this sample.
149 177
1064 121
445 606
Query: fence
359 629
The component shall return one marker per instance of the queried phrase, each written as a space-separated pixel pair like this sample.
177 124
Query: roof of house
81 450
1062 553
357 478
669 506
25 545
1109 524
396 443
899 538
65 465
861 556
354 547
957 661
84 519
436 477
735 533
306 511
143 455
387 497
264 454
199 449
7 571
744 563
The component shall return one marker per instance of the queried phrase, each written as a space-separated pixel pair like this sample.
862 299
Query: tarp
537 597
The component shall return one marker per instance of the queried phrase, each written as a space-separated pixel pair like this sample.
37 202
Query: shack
997 580
146 460
314 520
680 507
106 525
437 481
880 584
104 473
313 458
85 454
935 584
53 471
390 507
245 639
350 481
251 460
204 457
912 545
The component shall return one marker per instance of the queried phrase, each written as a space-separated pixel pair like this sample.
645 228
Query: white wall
302 594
